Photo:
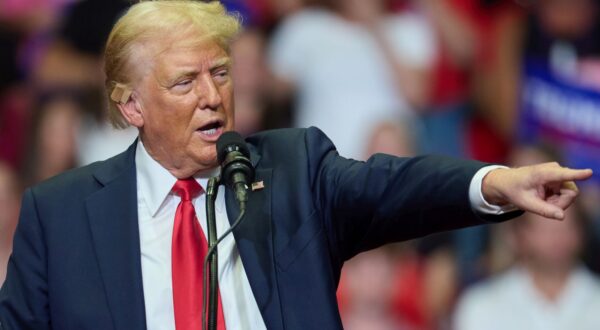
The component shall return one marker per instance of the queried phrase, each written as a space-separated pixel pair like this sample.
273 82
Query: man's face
550 245
185 101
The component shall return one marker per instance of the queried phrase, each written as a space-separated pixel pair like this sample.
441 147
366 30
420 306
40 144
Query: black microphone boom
236 169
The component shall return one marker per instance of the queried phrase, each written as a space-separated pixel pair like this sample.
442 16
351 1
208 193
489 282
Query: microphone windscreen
228 142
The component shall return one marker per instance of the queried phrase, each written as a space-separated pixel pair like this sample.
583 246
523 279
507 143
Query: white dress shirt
156 213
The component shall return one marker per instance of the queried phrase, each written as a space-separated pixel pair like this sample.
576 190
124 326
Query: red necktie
189 248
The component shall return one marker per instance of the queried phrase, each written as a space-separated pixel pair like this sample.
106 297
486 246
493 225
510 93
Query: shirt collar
155 182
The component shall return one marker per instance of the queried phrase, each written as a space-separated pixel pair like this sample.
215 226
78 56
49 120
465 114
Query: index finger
567 174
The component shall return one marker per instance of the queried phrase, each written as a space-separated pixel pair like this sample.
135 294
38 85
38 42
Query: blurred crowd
514 82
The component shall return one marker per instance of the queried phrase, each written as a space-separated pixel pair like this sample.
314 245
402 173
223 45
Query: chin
207 159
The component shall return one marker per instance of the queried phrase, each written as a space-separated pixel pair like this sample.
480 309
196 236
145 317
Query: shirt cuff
478 203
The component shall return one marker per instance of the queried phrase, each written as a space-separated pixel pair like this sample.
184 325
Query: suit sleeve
389 199
24 295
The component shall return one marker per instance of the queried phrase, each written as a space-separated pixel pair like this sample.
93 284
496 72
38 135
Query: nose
208 94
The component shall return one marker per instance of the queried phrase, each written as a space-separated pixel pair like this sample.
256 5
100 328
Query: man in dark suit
96 247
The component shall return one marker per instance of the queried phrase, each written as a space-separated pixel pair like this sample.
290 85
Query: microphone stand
213 270
210 261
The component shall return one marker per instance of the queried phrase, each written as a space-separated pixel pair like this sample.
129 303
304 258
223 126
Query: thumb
538 206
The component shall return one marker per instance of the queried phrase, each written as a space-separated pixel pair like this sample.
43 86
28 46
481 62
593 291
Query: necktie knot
187 189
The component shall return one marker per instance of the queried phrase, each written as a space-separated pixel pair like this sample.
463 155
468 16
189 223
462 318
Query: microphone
236 169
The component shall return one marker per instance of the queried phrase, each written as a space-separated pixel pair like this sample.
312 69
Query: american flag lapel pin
258 185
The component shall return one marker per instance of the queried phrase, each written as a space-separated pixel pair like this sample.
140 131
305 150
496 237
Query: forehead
185 52
535 223
168 54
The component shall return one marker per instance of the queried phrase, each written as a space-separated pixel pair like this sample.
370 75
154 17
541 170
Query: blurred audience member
352 65
249 72
426 283
548 287
9 212
445 118
367 291
52 148
467 46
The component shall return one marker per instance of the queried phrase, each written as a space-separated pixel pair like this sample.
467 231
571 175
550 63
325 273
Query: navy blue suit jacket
76 259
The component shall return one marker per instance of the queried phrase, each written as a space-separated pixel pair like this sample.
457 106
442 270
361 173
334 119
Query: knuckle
536 175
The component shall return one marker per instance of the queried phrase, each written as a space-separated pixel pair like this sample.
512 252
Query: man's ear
129 106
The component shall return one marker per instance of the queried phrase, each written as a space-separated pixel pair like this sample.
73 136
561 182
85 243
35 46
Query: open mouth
212 129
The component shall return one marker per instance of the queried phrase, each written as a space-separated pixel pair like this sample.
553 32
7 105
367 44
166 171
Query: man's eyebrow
225 61
179 75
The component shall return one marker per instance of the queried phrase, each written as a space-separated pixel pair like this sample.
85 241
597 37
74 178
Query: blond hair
146 21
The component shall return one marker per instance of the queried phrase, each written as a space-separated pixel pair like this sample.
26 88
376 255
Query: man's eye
222 73
183 83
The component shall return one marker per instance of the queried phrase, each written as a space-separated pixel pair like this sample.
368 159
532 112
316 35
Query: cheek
171 117
568 240
228 104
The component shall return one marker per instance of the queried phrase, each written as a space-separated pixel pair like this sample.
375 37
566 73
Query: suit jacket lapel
255 244
112 213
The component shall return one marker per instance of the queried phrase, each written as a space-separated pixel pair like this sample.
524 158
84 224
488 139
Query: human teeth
210 131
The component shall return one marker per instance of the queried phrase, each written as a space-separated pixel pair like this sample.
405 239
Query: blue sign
563 113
